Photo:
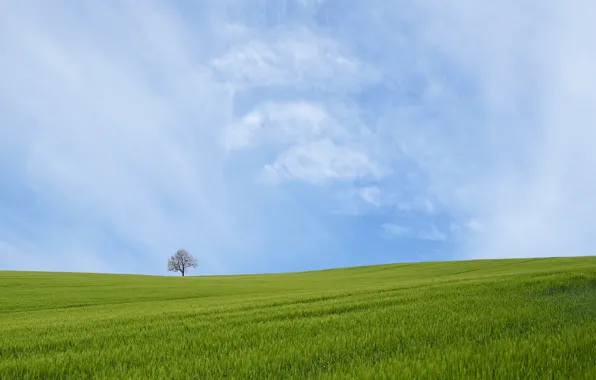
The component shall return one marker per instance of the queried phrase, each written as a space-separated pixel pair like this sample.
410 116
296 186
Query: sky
291 135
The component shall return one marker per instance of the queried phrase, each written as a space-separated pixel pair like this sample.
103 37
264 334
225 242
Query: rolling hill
522 318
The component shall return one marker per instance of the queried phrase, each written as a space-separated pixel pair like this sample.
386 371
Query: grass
501 319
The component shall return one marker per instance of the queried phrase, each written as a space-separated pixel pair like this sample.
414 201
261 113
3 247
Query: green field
450 320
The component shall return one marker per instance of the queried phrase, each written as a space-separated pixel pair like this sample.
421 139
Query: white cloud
473 225
321 161
358 200
370 194
281 123
510 144
396 230
121 137
297 58
131 134
309 144
402 231
111 144
434 234
418 203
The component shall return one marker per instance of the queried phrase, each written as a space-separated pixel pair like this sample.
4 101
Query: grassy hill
473 319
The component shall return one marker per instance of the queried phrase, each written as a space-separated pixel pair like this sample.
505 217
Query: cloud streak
294 135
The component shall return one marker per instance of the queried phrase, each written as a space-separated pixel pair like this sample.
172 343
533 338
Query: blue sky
286 135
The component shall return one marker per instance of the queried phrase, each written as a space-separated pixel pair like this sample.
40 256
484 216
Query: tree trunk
182 272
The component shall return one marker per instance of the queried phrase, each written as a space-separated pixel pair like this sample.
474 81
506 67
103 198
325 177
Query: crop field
503 319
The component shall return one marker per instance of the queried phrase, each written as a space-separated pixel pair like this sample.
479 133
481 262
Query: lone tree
181 261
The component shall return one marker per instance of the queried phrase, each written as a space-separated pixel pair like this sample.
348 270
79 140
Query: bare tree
181 261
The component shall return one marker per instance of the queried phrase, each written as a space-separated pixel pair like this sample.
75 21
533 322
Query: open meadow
522 318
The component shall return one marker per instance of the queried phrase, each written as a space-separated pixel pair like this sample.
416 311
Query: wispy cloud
310 144
370 194
294 57
516 159
394 230
280 137
281 124
433 234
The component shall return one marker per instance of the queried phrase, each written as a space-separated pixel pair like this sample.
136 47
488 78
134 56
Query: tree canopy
181 262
